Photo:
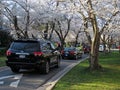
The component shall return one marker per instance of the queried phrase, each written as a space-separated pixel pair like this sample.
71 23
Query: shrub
5 38
2 51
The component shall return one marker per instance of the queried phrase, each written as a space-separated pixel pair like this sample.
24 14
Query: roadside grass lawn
2 61
79 78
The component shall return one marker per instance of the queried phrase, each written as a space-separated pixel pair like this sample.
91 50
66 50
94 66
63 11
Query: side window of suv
52 46
46 46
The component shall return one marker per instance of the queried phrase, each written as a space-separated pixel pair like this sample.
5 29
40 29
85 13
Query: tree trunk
62 43
16 27
94 55
46 31
119 46
76 38
60 33
104 44
27 25
53 28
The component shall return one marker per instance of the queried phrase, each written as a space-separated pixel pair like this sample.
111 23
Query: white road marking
19 76
1 82
15 83
5 77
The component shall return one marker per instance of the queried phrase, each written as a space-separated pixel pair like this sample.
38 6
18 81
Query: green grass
2 61
81 79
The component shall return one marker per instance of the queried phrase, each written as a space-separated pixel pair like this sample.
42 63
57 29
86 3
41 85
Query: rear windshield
69 48
25 46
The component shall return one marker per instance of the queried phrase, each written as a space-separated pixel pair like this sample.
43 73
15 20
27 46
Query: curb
51 83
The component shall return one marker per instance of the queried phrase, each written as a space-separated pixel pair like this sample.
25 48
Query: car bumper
68 56
23 65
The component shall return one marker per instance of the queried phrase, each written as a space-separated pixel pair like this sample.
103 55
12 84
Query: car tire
76 57
46 68
58 62
15 69
80 55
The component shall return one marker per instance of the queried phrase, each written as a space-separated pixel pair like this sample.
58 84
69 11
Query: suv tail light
62 51
8 53
38 53
72 52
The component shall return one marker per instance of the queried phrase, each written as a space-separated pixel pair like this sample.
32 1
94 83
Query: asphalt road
29 79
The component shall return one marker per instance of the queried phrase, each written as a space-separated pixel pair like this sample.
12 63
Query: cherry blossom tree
56 16
19 13
97 17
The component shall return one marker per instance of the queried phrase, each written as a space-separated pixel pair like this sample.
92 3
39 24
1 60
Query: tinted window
70 48
25 46
45 46
52 46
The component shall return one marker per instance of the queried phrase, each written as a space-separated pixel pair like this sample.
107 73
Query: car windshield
69 48
25 46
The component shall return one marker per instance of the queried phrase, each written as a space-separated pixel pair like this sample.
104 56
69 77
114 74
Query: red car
119 47
87 49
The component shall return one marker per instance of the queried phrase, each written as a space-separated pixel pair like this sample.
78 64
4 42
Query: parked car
119 47
32 54
71 52
101 48
86 49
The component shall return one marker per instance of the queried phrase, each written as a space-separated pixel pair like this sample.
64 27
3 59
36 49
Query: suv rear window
69 48
25 46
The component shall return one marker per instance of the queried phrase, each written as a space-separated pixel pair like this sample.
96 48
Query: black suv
32 54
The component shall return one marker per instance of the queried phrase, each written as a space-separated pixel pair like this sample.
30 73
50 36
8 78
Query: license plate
66 54
21 56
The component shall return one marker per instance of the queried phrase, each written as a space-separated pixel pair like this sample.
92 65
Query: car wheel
76 57
58 62
45 68
15 69
80 55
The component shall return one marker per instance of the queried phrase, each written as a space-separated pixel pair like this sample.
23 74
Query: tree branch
108 22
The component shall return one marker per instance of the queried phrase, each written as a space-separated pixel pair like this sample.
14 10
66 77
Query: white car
101 48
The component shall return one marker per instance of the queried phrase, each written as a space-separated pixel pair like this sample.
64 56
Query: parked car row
40 55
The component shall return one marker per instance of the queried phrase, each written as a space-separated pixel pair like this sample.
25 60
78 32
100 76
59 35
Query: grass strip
79 78
2 61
